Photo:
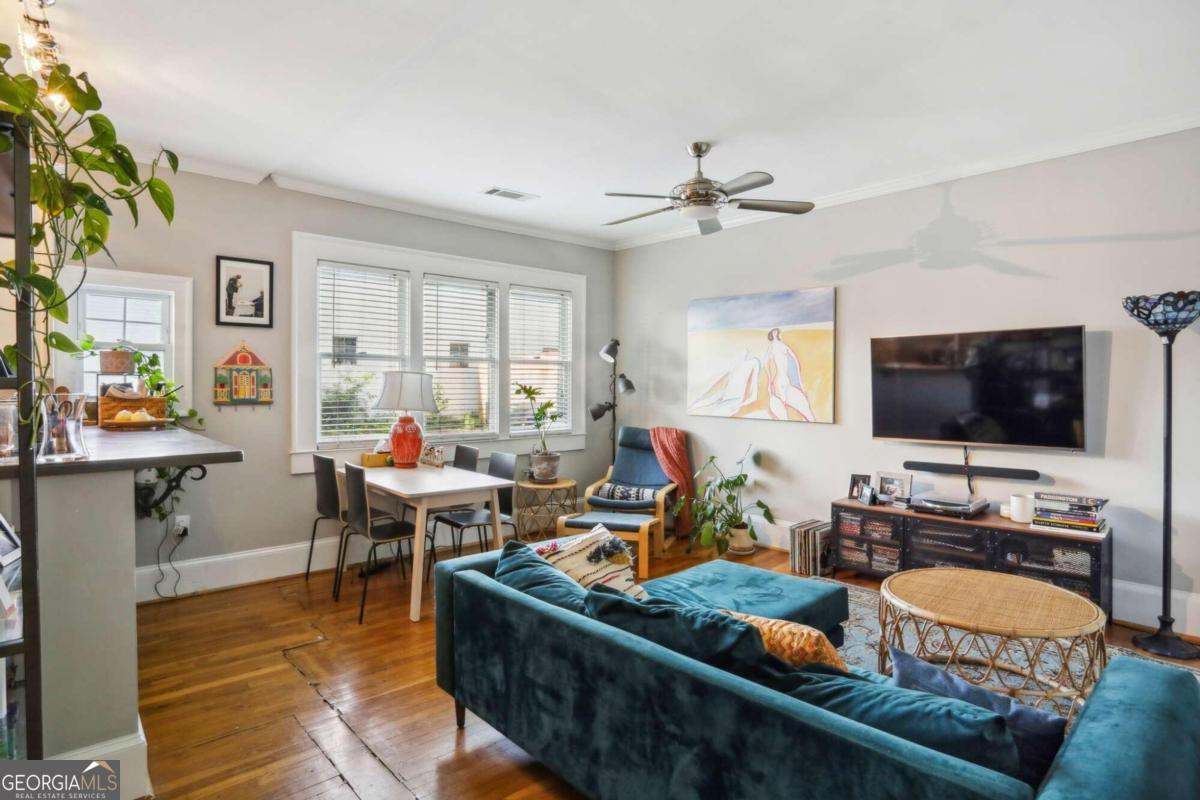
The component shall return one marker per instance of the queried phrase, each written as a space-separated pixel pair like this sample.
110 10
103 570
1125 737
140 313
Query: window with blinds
460 328
363 321
126 318
539 352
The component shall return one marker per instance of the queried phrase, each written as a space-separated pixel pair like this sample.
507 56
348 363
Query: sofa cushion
598 557
522 569
721 583
949 726
1038 734
703 634
793 643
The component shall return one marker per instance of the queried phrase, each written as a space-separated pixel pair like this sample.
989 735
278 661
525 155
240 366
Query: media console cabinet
880 540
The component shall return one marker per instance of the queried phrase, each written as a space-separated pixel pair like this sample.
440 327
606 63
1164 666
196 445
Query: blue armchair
635 482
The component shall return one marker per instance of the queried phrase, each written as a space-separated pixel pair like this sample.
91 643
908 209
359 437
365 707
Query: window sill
301 460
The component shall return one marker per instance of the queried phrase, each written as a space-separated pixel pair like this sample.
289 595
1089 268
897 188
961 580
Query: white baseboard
130 750
1141 603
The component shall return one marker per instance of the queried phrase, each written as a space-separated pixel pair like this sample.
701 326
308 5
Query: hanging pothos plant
78 171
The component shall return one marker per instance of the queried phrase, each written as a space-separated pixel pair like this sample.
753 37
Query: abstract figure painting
762 356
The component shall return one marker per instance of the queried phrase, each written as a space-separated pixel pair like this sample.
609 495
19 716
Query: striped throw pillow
595 557
797 644
619 491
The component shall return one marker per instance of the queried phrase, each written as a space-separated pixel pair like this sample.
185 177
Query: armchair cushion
629 505
636 464
619 491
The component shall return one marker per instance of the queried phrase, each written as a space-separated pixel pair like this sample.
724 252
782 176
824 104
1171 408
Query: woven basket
108 407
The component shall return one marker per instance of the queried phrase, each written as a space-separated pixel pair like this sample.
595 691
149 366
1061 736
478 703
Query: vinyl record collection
812 547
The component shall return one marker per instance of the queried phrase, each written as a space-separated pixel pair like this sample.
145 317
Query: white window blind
539 350
459 344
130 318
363 320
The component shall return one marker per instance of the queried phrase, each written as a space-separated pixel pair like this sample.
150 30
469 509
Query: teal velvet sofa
618 716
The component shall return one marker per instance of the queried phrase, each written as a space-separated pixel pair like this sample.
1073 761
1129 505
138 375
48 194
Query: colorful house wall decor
242 378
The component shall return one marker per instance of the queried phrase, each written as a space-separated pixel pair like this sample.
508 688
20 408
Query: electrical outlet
183 522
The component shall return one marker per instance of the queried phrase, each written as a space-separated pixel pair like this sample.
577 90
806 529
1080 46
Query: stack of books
812 547
1056 512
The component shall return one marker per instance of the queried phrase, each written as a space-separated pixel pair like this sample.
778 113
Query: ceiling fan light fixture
698 212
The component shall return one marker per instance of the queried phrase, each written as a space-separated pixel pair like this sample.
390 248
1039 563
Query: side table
539 505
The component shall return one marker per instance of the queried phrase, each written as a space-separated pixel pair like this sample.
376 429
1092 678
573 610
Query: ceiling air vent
510 194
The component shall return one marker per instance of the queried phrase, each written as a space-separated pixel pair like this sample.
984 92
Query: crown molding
1111 138
392 204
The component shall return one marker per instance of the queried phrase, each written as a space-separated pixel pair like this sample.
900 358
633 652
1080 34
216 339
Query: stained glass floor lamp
1167 315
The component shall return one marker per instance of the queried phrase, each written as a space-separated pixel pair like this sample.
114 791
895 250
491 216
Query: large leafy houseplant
78 170
543 462
718 508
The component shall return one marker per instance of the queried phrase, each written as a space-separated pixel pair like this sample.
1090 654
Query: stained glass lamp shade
1165 314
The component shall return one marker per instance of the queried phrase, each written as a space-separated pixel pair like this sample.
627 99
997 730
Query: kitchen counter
122 450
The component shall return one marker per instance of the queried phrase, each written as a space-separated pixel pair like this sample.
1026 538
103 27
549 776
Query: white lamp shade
407 391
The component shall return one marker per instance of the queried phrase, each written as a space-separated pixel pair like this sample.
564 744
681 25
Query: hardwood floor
274 691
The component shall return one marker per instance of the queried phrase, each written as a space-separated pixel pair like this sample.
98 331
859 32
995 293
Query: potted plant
719 513
543 462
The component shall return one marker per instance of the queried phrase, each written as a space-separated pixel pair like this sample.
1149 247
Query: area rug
861 646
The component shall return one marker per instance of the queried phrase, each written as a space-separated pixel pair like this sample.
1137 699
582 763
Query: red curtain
670 447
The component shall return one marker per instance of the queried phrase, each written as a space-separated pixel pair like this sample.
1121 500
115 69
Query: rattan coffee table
1031 640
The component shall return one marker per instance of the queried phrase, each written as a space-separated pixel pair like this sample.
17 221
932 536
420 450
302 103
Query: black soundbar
973 471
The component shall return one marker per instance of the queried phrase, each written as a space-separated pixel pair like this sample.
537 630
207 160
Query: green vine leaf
61 342
162 196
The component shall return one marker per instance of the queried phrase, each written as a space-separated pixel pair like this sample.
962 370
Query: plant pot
545 466
117 362
740 543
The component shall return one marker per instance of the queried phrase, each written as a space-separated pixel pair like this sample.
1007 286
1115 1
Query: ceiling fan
702 198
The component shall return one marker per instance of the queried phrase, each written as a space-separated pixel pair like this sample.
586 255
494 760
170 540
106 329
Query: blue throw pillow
524 570
703 634
1038 734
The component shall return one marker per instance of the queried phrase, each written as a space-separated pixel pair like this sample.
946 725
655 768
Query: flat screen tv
1019 388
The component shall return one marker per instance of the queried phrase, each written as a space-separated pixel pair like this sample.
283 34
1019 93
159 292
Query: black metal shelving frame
28 645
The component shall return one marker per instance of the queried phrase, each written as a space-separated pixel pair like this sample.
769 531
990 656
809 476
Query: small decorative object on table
543 416
433 456
245 292
866 494
406 392
1166 315
375 460
893 484
857 481
62 427
718 514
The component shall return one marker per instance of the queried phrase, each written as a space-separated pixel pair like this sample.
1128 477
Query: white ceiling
423 105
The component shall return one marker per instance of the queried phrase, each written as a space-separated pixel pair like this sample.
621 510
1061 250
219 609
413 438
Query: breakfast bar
86 518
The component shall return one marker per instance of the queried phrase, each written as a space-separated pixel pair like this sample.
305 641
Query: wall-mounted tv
1018 388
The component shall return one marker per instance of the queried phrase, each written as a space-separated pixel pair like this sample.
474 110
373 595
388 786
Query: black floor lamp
1166 314
618 384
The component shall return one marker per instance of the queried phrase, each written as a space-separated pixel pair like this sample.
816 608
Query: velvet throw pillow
596 558
1038 734
792 642
524 570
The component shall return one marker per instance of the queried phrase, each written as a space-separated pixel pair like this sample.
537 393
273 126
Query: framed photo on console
857 481
893 484
245 292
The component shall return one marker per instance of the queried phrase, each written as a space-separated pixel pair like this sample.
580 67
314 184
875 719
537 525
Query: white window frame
69 371
308 249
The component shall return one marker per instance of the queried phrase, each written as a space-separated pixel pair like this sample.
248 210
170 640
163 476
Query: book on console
1077 499
1051 525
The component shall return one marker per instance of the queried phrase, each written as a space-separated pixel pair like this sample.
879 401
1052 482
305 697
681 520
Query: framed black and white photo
893 484
857 481
245 292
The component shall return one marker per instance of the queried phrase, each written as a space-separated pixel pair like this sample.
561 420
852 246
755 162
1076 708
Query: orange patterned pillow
798 645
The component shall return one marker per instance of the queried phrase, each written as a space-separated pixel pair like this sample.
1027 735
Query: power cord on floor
162 575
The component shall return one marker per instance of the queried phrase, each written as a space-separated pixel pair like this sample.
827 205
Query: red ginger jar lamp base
407 439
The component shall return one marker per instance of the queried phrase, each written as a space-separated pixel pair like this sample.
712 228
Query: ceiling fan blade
626 194
744 183
708 226
778 206
639 216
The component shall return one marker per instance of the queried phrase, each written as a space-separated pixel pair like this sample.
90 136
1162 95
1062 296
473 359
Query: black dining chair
361 520
329 505
500 465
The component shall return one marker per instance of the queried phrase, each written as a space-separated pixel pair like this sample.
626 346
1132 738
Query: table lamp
1166 314
406 392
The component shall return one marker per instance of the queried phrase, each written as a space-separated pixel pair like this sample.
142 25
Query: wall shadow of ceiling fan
701 198
954 241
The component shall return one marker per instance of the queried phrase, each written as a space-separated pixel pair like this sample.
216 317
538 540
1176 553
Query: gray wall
259 503
1055 243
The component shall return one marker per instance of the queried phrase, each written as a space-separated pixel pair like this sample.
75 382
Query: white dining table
427 489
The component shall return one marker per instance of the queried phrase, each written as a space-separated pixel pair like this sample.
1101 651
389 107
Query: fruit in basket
124 415
142 415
